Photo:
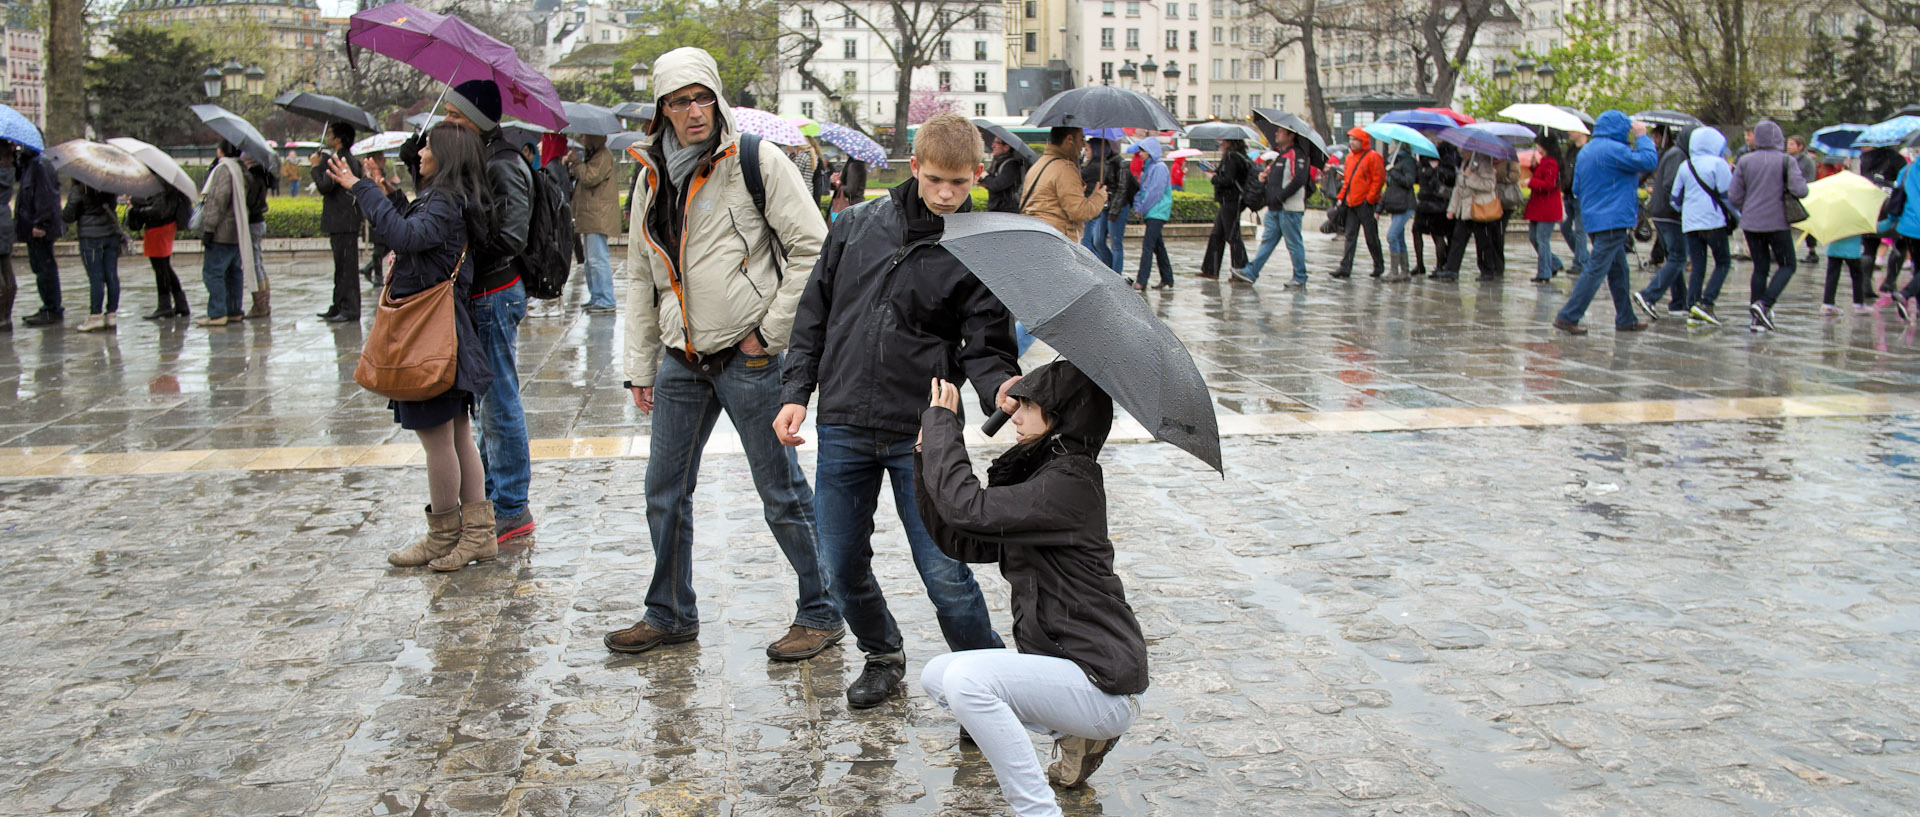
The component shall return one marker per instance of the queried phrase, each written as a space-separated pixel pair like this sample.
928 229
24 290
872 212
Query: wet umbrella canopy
1270 119
1671 119
323 108
1075 303
104 167
1103 106
238 131
160 163
588 119
1004 135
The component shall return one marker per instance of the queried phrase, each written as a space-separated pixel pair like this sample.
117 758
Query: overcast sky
336 8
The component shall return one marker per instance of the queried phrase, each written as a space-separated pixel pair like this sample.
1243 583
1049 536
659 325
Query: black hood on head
1082 413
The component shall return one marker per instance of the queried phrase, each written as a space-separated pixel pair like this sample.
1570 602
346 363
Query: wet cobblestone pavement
1609 617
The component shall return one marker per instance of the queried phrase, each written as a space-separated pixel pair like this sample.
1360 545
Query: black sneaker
513 527
1762 316
43 318
1703 314
875 684
1640 301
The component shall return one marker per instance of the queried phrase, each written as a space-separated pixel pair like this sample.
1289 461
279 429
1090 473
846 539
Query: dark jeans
1153 247
851 462
1360 220
166 284
8 288
1699 243
1898 256
1672 275
46 274
686 406
1609 266
101 259
1488 253
1912 246
346 273
1773 264
220 271
1224 238
1856 270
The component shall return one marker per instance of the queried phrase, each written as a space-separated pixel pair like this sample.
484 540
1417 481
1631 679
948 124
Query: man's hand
786 426
1639 130
1007 404
751 346
39 233
314 160
943 395
337 171
643 398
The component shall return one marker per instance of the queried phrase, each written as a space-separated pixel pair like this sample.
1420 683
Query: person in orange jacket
1365 175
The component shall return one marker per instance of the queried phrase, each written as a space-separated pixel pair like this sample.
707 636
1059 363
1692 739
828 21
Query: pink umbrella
770 127
448 49
1183 153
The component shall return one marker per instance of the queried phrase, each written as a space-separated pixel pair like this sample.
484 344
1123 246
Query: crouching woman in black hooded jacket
1081 661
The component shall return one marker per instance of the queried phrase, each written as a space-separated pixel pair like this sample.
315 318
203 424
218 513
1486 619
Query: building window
979 82
1215 109
945 50
1254 35
1233 106
1133 39
979 109
1234 67
806 109
1280 101
1219 10
1255 68
1133 8
1106 72
850 48
980 50
1173 11
849 21
1106 8
946 81
1219 69
1173 40
1033 10
1106 38
1236 34
1193 106
980 21
1253 101
849 81
1193 41
1219 35
806 18
1033 42
1193 13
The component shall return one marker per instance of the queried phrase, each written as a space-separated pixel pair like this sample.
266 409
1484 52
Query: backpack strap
749 150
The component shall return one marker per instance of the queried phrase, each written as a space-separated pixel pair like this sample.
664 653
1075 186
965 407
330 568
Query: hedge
1188 208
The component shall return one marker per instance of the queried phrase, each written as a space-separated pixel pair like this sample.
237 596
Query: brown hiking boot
476 538
642 637
803 642
1079 757
443 533
262 307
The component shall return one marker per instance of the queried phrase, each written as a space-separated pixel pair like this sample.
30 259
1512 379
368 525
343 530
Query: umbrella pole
436 107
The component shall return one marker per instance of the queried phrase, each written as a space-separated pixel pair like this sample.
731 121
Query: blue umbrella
1116 134
1837 140
1422 120
1504 129
1479 141
1422 146
16 129
1887 133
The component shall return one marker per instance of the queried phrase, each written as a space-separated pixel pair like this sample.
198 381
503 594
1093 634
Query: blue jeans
1540 234
503 425
220 271
1397 231
1107 238
1274 225
293 187
101 257
1672 275
599 271
686 406
1575 232
1609 265
1702 291
847 479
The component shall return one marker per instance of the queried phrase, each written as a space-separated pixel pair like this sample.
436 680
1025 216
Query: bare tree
1726 57
801 46
911 31
66 67
1299 24
1441 34
1894 13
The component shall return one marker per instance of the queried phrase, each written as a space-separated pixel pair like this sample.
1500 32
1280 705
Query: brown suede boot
443 533
477 542
261 308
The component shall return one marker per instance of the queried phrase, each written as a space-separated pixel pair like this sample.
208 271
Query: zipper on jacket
746 253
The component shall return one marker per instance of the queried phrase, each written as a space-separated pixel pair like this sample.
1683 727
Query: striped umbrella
855 143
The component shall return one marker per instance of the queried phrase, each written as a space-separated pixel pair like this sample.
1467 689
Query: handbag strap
1037 177
457 264
1712 194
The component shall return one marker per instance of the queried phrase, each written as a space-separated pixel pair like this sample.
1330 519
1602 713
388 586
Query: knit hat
478 100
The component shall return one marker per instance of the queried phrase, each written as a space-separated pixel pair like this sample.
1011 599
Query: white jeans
997 695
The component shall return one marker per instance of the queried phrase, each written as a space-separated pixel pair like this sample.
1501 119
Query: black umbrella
522 134
1075 303
637 111
1019 145
1103 106
323 108
1579 113
1223 130
587 119
1671 119
619 142
240 132
1913 139
1270 119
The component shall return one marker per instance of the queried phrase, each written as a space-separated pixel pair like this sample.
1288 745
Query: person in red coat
1544 210
1365 175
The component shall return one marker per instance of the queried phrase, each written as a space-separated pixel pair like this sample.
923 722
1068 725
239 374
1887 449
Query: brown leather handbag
413 351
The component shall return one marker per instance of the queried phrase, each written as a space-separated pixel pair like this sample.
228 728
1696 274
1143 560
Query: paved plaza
1460 564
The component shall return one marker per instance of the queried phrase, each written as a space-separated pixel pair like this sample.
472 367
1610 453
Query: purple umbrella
1504 129
855 143
1420 120
1479 141
448 49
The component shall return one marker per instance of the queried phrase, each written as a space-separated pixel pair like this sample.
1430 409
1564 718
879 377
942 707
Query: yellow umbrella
1841 205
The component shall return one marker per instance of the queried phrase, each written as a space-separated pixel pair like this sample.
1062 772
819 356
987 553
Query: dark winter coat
885 310
1121 184
427 239
1402 171
259 181
1043 518
337 212
1003 182
38 205
510 184
1228 180
6 210
1289 175
93 211
1660 207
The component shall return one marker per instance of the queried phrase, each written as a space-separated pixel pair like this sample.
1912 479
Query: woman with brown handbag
427 285
1476 211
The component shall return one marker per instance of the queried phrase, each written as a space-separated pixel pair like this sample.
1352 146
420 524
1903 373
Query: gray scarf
681 160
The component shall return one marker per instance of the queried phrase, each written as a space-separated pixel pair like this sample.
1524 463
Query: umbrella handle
993 424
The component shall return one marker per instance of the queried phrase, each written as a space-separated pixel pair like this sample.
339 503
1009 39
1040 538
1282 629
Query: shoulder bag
1486 211
413 351
1726 213
1790 203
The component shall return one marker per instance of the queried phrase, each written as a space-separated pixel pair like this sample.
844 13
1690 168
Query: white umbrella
381 142
160 163
1546 116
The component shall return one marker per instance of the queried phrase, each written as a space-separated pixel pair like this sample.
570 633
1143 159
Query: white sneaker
93 323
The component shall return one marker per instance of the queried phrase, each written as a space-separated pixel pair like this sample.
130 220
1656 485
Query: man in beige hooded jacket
713 290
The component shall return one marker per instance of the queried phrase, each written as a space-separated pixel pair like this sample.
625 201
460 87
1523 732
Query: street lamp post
1127 74
1172 73
211 82
233 78
640 71
1147 70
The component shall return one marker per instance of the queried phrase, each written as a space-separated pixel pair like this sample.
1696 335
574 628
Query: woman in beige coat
596 215
1476 184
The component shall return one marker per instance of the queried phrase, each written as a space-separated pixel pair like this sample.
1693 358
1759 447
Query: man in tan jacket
596 215
711 298
1053 191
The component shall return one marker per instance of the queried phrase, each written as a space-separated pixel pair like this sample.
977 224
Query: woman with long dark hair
1430 208
1544 210
432 240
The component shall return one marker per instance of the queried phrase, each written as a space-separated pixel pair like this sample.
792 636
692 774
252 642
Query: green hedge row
1188 208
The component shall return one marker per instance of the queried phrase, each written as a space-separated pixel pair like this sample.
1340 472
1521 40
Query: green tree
144 83
1590 72
1852 79
742 35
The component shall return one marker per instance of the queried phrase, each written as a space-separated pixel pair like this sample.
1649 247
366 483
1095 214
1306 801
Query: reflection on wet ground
1654 619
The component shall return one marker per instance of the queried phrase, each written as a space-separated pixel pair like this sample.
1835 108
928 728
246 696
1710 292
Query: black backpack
548 258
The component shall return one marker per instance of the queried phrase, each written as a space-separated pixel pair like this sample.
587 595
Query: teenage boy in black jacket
885 309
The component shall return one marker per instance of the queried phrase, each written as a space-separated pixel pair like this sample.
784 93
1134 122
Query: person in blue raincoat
1154 203
1606 180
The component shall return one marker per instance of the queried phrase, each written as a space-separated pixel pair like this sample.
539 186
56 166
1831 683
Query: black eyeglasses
704 100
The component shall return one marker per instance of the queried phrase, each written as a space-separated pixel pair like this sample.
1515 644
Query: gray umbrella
1075 303
590 120
1019 145
323 108
240 132
1103 106
1671 119
522 134
637 111
1224 130
1270 119
104 167
1582 115
619 142
422 121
